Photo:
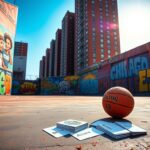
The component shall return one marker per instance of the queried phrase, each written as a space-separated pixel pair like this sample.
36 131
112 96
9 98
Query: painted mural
25 88
144 80
5 82
50 86
57 85
8 18
88 85
130 71
129 68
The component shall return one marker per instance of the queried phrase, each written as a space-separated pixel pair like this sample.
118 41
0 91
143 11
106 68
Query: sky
38 21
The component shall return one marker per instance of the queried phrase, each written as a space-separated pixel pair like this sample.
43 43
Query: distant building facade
52 58
67 45
57 53
20 60
43 66
96 32
40 69
47 62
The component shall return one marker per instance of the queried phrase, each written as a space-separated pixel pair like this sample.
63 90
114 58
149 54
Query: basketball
118 102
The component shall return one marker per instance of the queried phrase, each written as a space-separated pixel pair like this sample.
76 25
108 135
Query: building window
94 55
115 33
93 1
108 36
107 14
93 29
102 55
94 34
108 32
107 27
108 46
102 50
115 37
101 30
101 40
114 20
108 51
114 16
115 43
101 35
94 60
108 41
102 45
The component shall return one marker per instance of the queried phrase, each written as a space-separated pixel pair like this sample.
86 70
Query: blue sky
38 21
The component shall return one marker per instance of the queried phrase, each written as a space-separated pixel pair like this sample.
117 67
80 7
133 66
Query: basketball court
22 119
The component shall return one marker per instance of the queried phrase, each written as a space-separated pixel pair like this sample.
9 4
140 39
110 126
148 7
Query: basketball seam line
117 104
122 94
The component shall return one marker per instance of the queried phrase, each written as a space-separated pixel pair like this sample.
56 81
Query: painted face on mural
1 44
8 44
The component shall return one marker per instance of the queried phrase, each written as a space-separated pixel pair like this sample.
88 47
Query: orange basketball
118 102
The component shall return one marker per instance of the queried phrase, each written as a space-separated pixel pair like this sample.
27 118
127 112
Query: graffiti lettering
144 80
121 70
28 88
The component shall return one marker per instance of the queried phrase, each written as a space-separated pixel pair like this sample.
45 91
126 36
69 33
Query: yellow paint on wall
143 75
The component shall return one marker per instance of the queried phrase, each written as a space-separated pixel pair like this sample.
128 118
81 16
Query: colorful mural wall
56 85
129 70
144 80
25 88
5 82
88 85
8 17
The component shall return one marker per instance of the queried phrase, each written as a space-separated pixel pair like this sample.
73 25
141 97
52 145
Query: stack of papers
79 129
72 125
73 128
118 129
112 129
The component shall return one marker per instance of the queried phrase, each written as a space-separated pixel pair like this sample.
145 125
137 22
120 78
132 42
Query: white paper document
56 132
112 129
87 133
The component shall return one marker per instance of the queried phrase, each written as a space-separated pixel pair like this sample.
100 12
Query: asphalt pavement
22 119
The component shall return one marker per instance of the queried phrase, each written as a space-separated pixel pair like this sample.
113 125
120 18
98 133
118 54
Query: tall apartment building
67 45
57 53
52 58
41 69
47 62
96 32
20 60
